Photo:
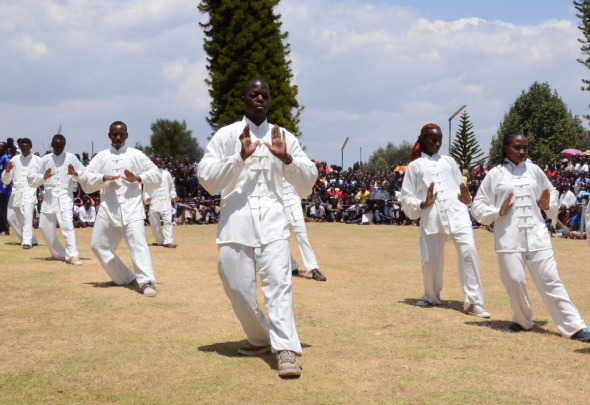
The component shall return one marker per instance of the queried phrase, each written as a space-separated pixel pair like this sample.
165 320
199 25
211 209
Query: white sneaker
477 310
423 303
74 260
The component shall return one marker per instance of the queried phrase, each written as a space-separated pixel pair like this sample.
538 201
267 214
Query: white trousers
162 233
543 269
237 269
65 219
105 240
300 230
21 220
432 249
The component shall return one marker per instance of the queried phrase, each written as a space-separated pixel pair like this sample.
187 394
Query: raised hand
48 174
430 197
72 170
248 147
506 205
279 145
9 167
464 195
544 201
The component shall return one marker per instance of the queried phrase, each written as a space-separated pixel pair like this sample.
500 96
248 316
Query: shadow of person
133 286
503 326
445 304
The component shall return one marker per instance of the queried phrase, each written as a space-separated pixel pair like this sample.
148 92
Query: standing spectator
159 199
429 192
58 201
23 198
246 162
4 191
119 173
521 237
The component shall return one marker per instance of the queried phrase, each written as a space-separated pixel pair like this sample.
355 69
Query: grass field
67 337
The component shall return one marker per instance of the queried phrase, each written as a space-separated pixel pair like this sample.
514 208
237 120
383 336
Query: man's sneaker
287 364
170 245
251 350
423 303
149 290
515 327
27 246
583 335
74 260
316 275
477 310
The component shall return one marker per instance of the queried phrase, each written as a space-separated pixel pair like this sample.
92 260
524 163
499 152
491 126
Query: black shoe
583 335
316 275
27 247
170 245
295 273
515 327
35 244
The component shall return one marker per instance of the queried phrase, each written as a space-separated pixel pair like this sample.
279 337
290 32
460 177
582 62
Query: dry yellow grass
67 338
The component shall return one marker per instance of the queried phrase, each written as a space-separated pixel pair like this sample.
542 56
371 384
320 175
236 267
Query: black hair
250 83
506 141
21 141
118 123
58 137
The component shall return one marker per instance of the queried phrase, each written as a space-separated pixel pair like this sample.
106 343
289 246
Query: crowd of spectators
352 196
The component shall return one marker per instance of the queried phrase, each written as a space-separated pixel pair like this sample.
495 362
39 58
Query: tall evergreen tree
583 8
243 40
465 148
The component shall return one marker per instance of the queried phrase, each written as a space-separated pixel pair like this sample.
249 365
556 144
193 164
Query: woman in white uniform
512 196
433 190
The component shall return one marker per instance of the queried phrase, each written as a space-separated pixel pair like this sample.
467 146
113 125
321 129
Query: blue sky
374 71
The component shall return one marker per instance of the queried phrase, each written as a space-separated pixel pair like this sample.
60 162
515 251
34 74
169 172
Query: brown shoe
287 364
316 275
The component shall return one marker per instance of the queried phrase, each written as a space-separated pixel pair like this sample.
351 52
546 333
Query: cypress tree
243 40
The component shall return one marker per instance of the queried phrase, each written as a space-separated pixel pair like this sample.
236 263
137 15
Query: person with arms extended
246 162
58 200
119 173
512 196
159 199
433 190
23 198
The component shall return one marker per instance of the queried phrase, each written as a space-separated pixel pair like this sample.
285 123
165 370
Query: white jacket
120 201
252 190
59 188
448 214
522 229
22 193
162 195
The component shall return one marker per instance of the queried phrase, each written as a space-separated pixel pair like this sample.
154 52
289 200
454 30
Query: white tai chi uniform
21 204
121 213
521 238
447 218
58 202
161 208
253 229
296 221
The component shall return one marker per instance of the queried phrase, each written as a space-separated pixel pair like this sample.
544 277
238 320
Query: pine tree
243 40
584 15
465 148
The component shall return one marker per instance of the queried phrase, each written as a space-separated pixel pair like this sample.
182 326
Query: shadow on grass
230 349
51 259
12 243
111 284
583 351
445 304
504 325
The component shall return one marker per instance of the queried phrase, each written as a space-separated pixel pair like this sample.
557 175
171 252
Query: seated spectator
85 215
317 213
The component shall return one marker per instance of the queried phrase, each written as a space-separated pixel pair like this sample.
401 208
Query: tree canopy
543 116
465 148
172 138
243 40
390 156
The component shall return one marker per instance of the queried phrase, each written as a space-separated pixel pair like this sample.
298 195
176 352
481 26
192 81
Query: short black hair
250 83
21 141
118 123
58 137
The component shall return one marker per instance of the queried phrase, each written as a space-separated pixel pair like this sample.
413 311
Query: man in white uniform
433 190
246 162
294 214
21 204
159 199
119 173
58 201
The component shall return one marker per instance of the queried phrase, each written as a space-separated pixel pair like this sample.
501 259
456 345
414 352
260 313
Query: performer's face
432 141
518 149
118 135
